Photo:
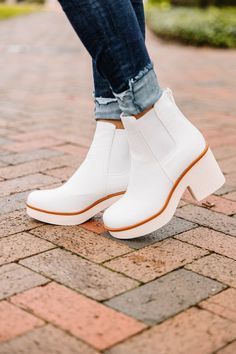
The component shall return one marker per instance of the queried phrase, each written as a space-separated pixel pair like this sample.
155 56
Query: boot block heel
205 177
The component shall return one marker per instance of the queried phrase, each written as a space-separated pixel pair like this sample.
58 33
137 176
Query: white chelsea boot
100 181
168 155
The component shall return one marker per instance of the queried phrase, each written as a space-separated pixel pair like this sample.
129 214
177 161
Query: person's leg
106 104
168 154
82 196
111 33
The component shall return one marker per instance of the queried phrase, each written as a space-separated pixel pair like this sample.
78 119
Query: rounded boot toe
38 199
117 216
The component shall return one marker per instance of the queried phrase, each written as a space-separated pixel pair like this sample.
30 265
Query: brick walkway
67 290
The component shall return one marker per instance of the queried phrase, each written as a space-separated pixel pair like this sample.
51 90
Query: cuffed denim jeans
113 32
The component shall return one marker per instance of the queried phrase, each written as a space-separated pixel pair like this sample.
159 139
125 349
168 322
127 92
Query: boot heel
205 177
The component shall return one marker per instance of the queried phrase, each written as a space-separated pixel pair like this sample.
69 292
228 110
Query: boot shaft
164 136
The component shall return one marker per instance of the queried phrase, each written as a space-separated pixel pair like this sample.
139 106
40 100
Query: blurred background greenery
194 22
12 8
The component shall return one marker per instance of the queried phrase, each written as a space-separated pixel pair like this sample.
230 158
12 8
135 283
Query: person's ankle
139 115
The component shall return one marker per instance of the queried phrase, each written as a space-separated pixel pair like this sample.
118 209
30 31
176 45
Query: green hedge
7 11
212 26
41 2
199 3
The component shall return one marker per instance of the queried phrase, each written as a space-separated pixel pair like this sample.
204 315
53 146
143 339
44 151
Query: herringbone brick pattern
75 290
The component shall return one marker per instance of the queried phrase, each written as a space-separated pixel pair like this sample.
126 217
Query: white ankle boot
168 155
100 181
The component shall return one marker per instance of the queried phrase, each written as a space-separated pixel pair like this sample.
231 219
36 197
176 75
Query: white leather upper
104 171
118 163
163 143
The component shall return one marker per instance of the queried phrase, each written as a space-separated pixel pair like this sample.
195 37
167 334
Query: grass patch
8 11
212 26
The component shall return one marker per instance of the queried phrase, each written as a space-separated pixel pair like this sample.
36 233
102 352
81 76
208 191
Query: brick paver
83 242
215 203
22 184
20 158
216 221
164 297
228 165
97 325
216 267
14 321
14 222
46 339
62 173
95 225
174 227
223 304
15 278
27 168
225 189
13 202
31 145
155 260
76 290
211 240
80 274
229 349
193 331
20 246
231 178
231 196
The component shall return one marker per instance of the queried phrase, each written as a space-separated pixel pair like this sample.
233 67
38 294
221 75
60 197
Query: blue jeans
113 32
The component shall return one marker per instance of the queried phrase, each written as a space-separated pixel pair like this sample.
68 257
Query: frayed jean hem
107 108
143 92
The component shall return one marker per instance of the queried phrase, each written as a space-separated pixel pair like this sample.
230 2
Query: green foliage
41 2
199 3
212 26
203 3
7 11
